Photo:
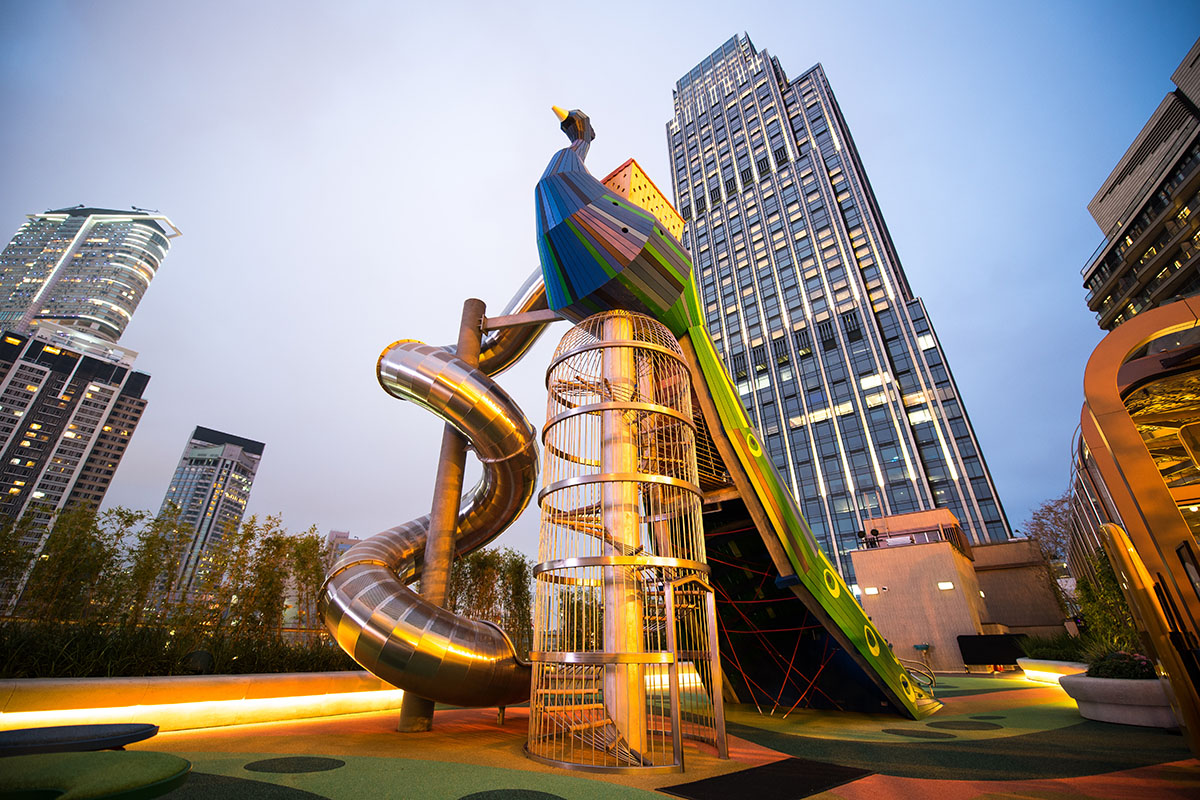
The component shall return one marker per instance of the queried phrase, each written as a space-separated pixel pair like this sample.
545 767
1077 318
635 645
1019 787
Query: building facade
69 402
836 360
211 487
84 268
1147 208
339 542
1136 491
1147 211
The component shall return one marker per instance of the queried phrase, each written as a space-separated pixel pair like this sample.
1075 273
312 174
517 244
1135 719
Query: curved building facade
84 268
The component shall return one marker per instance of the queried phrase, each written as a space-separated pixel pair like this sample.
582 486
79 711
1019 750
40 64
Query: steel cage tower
625 623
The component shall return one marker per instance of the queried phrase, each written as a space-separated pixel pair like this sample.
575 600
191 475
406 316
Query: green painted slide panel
811 566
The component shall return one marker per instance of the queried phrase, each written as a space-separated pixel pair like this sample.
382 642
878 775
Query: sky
346 174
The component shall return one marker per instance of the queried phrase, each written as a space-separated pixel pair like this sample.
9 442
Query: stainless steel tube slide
385 626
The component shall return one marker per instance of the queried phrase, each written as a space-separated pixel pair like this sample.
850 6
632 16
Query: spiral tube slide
385 626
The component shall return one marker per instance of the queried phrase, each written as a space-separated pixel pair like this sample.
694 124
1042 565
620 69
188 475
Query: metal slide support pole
624 683
416 713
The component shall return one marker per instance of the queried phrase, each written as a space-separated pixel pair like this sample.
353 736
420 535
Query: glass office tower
836 360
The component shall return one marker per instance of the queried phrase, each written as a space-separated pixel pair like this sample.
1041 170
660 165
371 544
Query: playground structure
804 641
625 626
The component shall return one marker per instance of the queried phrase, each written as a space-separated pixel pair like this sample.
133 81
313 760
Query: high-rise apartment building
339 542
835 358
1147 210
69 402
211 487
80 267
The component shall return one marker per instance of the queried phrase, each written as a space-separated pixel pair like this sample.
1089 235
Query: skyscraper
835 359
80 267
69 403
211 487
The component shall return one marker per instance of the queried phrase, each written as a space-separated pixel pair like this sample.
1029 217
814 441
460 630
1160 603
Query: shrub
1062 647
1106 615
1120 664
91 650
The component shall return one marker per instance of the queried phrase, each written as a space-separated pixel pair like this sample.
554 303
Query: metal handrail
918 668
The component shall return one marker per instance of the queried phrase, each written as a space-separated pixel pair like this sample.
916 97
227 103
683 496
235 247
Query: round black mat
204 786
918 733
294 764
511 794
964 725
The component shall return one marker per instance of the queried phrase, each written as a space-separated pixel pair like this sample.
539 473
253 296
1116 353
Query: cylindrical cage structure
625 649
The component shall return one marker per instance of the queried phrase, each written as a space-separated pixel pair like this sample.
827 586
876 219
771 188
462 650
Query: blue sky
345 174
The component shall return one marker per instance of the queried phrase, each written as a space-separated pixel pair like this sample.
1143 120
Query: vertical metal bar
673 675
717 679
416 713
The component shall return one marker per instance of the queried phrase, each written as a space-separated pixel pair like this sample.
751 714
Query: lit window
925 341
871 590
945 586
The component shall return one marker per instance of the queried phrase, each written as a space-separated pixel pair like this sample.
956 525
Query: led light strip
212 713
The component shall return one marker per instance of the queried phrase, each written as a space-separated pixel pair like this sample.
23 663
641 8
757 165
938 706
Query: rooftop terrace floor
996 737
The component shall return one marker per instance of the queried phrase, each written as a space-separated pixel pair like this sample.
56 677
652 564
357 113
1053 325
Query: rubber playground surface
996 737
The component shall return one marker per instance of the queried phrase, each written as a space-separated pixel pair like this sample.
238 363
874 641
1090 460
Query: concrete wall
913 610
1016 587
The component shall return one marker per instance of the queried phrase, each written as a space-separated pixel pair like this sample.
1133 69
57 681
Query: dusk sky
345 174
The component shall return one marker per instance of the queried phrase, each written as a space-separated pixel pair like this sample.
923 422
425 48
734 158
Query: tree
1049 526
78 575
310 561
495 585
153 564
15 555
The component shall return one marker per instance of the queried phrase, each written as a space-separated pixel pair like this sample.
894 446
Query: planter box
1121 700
1044 670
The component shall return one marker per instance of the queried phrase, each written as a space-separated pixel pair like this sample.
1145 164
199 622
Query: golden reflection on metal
374 616
625 655
1135 406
